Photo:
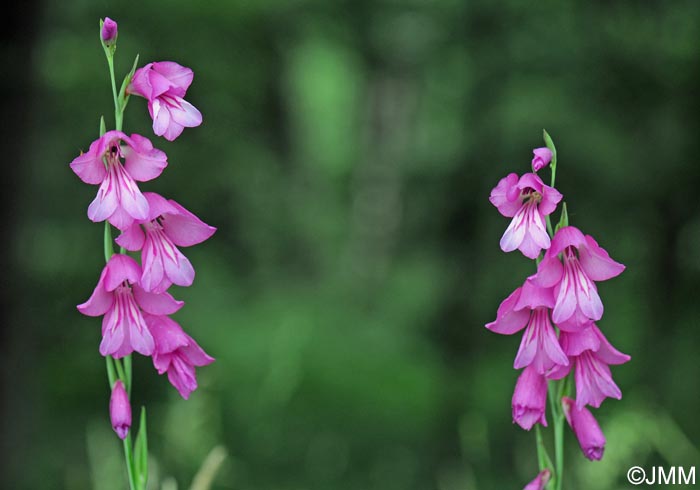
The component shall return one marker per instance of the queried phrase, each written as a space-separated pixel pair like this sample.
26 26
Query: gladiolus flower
164 85
168 225
109 32
530 306
542 158
586 429
527 200
120 410
120 299
529 399
176 353
119 199
540 481
590 354
577 300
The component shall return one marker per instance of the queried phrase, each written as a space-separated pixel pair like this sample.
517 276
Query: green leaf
110 372
123 96
103 126
141 452
550 144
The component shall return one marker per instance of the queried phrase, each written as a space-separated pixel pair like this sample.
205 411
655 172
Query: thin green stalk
558 421
127 372
118 114
129 456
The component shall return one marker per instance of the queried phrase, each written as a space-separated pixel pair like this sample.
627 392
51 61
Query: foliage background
347 155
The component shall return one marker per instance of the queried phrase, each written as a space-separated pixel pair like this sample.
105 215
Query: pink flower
164 85
168 225
119 199
591 355
586 429
120 299
529 399
577 299
540 481
108 33
541 159
120 410
176 353
527 200
530 306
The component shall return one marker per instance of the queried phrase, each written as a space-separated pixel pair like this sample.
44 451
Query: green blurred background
347 154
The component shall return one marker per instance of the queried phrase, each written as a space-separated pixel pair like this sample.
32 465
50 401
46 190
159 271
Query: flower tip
120 410
109 32
542 158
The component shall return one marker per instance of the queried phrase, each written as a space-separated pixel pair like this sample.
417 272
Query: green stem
129 456
558 421
127 373
118 113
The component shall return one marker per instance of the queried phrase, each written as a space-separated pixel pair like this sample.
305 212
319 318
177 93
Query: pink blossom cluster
557 307
133 297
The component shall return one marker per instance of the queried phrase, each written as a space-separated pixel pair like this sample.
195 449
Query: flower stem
558 421
118 112
128 455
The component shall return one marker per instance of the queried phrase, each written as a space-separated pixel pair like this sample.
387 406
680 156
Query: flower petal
597 263
184 228
142 161
156 303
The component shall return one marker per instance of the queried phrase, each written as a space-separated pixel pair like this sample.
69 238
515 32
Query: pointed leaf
141 452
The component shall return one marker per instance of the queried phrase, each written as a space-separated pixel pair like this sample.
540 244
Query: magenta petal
156 303
559 371
500 196
142 161
566 237
168 335
597 263
606 352
121 268
532 296
575 343
161 117
529 399
113 333
180 270
141 338
183 378
589 300
566 300
195 355
540 481
184 228
508 321
586 429
532 181
158 205
185 114
140 84
549 272
515 233
594 381
105 203
132 238
100 301
180 77
550 198
173 130
89 166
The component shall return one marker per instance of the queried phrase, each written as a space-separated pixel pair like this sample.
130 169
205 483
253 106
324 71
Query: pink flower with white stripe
164 84
119 199
529 307
167 226
590 354
527 200
540 480
121 300
176 353
584 261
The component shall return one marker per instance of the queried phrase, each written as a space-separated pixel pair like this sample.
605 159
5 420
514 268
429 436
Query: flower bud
586 429
108 33
542 158
540 481
120 410
530 399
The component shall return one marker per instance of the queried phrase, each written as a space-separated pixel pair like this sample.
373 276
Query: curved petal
576 343
588 299
167 333
180 77
509 321
113 334
532 181
597 263
568 236
89 166
159 206
549 272
121 268
140 85
606 352
532 296
142 161
161 117
500 196
179 270
156 303
195 355
100 301
132 238
184 228
185 114
105 203
515 233
550 198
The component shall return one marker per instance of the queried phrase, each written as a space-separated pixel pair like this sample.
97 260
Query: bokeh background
347 155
